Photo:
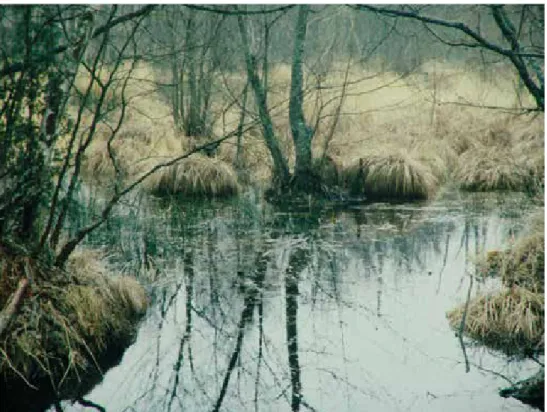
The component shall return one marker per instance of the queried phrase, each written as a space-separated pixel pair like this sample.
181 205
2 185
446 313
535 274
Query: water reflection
257 309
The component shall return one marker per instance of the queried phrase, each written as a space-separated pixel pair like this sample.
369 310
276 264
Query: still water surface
260 309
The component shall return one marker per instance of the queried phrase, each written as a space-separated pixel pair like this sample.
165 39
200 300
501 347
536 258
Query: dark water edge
361 293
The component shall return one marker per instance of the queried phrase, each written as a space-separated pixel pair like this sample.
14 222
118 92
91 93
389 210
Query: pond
257 308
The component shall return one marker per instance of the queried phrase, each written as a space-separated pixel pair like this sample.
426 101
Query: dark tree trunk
304 179
281 169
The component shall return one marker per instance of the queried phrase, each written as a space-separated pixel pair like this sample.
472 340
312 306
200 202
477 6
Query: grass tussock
437 109
438 154
129 152
195 176
522 265
397 176
505 154
137 150
511 321
491 169
69 325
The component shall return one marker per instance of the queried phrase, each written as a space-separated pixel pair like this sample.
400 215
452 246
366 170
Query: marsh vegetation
244 165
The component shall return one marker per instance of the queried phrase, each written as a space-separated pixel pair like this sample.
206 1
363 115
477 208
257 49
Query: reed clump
71 325
135 151
506 155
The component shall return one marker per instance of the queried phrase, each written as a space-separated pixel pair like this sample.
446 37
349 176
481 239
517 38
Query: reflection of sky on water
372 332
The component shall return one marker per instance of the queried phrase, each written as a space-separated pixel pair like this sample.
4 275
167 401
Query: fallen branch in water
13 304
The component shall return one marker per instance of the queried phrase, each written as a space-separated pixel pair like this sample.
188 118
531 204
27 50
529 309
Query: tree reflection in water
270 310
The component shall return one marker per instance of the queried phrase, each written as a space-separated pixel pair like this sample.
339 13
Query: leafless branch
216 9
21 66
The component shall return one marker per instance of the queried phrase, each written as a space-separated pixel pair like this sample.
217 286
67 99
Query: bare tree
302 134
303 178
194 40
281 168
39 179
521 28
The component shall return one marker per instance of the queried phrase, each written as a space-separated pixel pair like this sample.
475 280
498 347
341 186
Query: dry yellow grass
486 168
393 174
195 176
149 137
141 93
529 144
255 161
523 264
506 155
490 168
137 151
67 326
134 145
124 292
438 154
511 321
435 111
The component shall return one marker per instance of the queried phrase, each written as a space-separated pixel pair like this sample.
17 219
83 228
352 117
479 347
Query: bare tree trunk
239 149
537 90
303 179
281 169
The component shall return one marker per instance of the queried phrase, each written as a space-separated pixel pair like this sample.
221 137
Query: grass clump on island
195 176
391 175
71 325
510 320
513 320
522 265
137 153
